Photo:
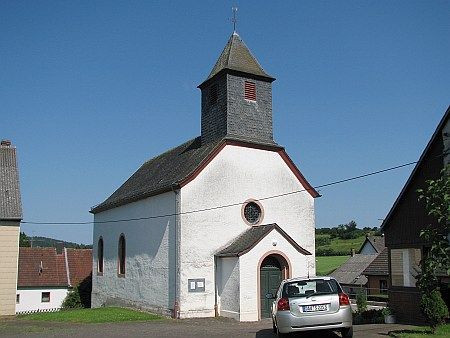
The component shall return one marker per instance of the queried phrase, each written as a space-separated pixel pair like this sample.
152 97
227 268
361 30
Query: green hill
327 246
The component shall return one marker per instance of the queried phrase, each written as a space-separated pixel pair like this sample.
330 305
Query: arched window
122 254
100 256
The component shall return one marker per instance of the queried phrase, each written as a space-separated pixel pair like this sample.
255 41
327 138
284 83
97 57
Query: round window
252 213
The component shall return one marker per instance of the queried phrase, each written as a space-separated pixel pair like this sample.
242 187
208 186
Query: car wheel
347 332
281 335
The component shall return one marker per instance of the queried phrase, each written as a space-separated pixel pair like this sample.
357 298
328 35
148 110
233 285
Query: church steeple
237 97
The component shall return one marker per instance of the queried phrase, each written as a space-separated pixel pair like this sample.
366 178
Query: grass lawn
422 332
326 264
98 315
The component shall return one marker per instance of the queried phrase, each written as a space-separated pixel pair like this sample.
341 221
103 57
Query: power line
231 204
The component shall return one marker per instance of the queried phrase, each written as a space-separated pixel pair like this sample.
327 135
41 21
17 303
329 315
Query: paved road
211 327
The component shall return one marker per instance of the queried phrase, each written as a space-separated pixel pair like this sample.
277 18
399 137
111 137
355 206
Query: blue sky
90 90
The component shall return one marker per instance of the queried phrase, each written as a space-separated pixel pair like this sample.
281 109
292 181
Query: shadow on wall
85 290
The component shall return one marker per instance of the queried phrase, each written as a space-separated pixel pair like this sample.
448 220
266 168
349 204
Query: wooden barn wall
410 215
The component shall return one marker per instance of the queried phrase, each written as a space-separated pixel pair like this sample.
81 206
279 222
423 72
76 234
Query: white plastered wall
228 284
30 299
235 175
149 281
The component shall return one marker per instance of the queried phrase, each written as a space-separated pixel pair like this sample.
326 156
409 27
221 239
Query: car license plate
314 308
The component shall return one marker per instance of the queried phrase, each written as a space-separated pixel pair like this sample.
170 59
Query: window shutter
250 91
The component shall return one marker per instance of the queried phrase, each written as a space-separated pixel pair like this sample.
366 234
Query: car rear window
310 287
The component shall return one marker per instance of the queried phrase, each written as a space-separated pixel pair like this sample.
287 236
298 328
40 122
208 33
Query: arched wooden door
270 278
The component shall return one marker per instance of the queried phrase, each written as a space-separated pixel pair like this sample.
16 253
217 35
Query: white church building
209 227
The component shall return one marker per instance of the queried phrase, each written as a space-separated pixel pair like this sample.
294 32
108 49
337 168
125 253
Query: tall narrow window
122 251
100 257
250 91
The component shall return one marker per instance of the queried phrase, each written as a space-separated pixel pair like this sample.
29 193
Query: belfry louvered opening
250 91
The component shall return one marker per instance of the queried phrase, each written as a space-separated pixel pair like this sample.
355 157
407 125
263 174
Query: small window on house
383 286
213 94
122 251
250 91
100 256
18 298
45 297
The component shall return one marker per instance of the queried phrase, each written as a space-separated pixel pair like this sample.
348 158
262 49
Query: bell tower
237 97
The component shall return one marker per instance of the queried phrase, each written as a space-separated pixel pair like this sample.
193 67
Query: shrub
361 301
323 240
433 308
72 300
369 317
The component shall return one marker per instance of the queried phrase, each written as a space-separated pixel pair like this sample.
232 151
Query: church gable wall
235 175
149 280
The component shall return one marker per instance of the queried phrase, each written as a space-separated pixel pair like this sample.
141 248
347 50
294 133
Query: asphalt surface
210 327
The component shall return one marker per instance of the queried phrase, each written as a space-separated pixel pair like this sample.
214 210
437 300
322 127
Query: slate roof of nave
159 174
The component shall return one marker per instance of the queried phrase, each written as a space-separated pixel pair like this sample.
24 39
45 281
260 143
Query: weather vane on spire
234 20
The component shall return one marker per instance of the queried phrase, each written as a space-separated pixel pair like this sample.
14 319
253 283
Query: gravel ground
210 327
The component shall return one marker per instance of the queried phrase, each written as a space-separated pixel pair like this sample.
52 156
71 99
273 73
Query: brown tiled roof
79 262
379 266
45 267
41 267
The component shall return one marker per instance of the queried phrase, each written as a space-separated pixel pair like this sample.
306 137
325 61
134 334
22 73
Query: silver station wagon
306 304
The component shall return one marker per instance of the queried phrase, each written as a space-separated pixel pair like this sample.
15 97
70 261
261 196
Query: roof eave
237 72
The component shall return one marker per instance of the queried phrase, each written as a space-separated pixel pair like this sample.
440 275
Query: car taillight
343 299
283 304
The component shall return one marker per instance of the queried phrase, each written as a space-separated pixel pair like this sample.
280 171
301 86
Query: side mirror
270 296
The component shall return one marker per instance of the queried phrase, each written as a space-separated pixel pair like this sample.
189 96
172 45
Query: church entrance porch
274 268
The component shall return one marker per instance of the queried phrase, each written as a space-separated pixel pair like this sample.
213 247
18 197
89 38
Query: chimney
5 143
353 252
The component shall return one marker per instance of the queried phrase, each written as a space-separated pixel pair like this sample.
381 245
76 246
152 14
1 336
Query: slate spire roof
236 56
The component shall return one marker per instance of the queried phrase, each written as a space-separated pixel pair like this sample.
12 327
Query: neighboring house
377 274
45 276
192 231
404 222
10 218
350 274
372 245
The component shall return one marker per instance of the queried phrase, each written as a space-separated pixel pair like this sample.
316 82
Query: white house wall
235 175
31 299
228 280
148 281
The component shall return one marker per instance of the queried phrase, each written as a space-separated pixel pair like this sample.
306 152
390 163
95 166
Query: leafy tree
437 203
24 241
72 300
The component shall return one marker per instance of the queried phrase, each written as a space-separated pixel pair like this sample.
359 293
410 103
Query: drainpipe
216 306
176 304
